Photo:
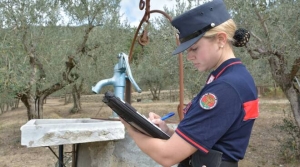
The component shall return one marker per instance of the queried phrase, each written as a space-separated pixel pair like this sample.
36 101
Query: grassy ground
263 150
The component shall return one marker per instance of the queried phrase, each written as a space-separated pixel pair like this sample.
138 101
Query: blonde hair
229 27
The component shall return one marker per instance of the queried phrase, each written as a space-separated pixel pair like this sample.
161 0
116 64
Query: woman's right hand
156 119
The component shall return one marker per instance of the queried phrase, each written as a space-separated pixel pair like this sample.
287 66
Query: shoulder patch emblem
208 101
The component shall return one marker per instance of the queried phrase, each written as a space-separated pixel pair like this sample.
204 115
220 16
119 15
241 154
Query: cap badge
208 101
212 24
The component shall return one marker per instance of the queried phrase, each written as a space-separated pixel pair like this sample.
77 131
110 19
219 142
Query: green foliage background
153 67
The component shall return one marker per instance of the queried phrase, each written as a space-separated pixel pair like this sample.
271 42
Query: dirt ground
262 151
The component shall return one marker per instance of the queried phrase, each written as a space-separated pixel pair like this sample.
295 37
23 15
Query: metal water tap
119 79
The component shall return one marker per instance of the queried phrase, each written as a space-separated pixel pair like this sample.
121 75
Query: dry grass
262 151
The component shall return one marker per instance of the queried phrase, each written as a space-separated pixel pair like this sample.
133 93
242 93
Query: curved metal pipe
180 59
102 83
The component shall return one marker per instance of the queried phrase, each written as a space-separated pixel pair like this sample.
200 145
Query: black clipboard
133 117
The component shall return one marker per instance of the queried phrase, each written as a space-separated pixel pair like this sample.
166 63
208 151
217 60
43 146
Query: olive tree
23 23
43 56
92 16
275 37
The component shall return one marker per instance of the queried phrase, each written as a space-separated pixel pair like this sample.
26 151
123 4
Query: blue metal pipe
118 80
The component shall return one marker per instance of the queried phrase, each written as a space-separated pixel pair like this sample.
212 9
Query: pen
169 115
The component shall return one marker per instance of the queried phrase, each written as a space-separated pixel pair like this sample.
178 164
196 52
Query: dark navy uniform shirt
221 116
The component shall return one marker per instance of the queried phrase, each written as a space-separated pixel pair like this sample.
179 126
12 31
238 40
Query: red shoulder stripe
251 109
191 141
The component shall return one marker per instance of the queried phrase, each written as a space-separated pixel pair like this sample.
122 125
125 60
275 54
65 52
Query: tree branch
70 64
257 52
82 47
295 68
255 36
262 22
92 48
278 68
251 53
35 61
278 55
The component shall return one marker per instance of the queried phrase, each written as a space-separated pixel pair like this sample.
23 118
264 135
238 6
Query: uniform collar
224 65
216 73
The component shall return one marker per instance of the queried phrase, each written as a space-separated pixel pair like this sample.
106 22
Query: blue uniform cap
193 24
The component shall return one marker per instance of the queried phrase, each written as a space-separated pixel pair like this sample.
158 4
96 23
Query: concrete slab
124 153
50 132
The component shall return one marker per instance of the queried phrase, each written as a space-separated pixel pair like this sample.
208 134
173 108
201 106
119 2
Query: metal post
61 155
128 91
